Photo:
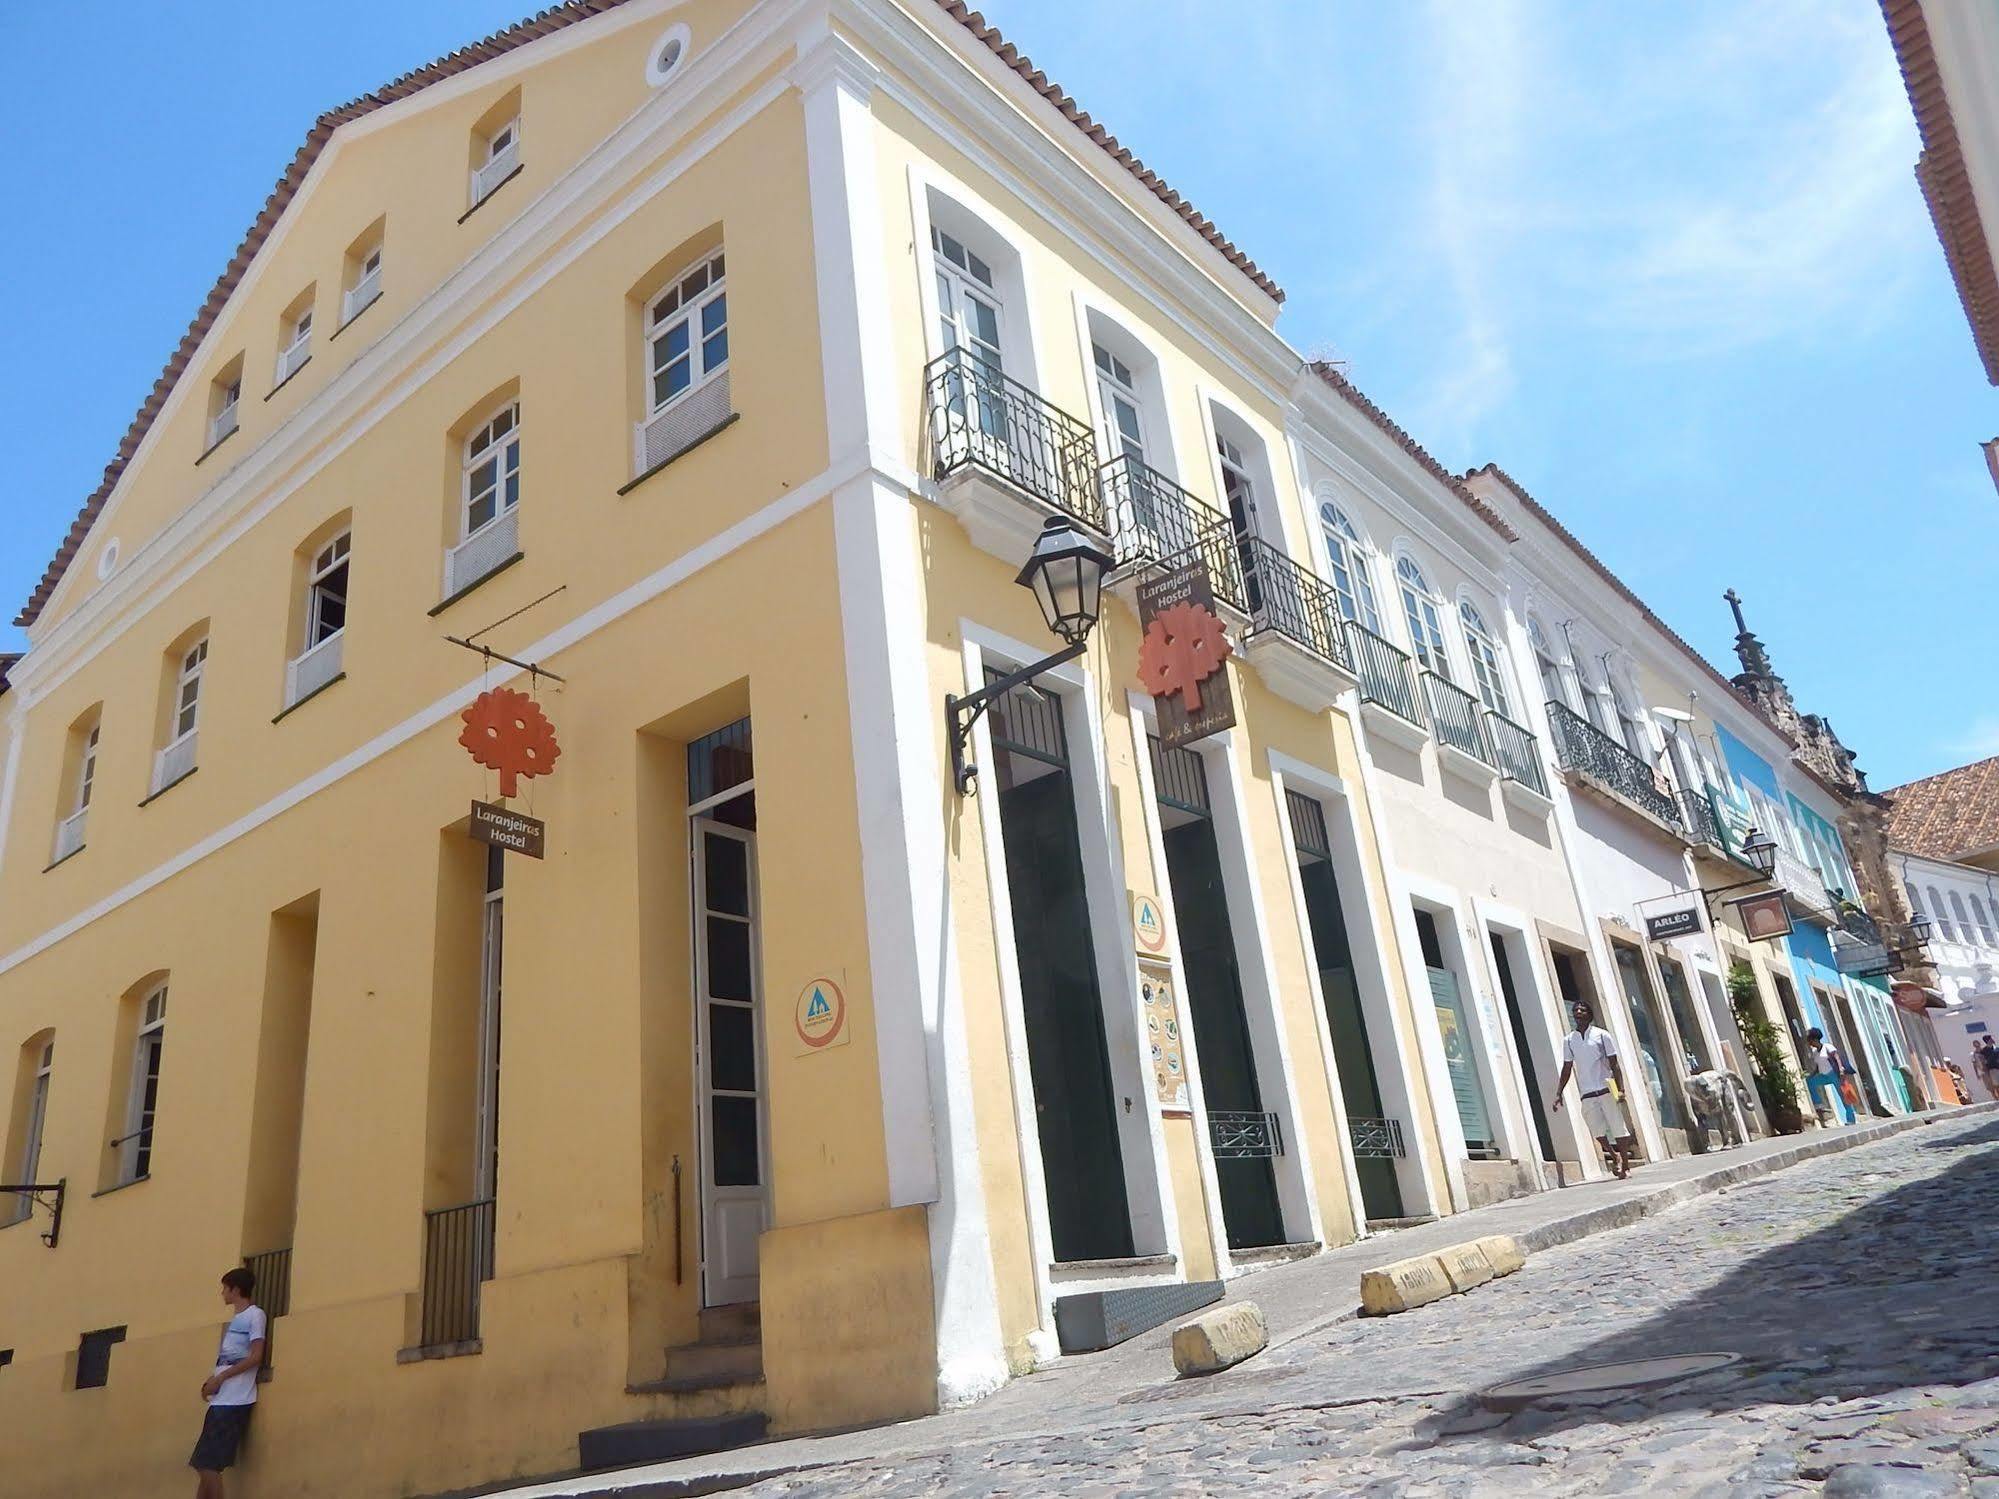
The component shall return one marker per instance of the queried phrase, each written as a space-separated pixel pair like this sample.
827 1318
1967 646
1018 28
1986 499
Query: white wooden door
729 1069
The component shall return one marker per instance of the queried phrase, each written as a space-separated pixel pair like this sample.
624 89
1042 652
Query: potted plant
1776 1085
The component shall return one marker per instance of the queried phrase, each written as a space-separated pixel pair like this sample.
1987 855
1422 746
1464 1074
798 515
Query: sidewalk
1083 1393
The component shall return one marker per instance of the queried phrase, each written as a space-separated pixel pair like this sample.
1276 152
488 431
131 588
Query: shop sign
1148 925
1181 660
1162 1035
513 831
1912 997
1669 924
1765 917
506 731
819 1016
1864 960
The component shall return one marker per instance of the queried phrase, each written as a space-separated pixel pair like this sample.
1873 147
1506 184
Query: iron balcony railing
457 1261
1702 824
1375 1139
1857 923
1151 518
981 418
1384 672
1457 715
272 1292
1220 550
1518 750
1289 599
1803 884
1582 747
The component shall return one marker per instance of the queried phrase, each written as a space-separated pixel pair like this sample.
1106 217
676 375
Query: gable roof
1596 565
1352 395
1947 815
499 44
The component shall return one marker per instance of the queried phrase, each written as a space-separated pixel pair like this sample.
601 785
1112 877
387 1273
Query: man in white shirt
1589 1052
231 1391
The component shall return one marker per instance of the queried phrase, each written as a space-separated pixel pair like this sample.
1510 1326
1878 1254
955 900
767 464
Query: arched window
1594 694
1485 667
1941 915
1631 728
1553 687
1915 906
1419 609
1963 922
1347 558
1984 919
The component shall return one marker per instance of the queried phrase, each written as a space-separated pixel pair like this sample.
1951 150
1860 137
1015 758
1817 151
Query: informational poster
1162 1034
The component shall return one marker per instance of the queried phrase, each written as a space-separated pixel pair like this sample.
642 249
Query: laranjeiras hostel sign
506 731
1182 660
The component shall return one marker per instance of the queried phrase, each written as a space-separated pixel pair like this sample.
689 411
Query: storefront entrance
1656 1072
1377 1140
1243 1136
1075 1104
1516 1021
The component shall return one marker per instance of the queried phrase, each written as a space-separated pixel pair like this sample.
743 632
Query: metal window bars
1582 747
1457 715
1518 750
1375 1139
980 417
1294 602
457 1260
1239 1136
1385 675
272 1292
1703 826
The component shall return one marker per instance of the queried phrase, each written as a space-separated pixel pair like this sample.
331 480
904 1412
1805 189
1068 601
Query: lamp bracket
961 713
47 1196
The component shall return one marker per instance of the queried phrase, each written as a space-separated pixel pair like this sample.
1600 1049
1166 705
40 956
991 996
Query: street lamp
1761 851
1919 928
1065 572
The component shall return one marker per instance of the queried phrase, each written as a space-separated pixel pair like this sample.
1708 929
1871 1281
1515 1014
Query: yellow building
722 361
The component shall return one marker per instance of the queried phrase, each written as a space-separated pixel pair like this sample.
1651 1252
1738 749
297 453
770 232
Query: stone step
717 1362
739 1322
631 1442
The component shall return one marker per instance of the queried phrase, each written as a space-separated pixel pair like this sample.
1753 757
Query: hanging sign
1765 917
1912 997
494 824
820 1016
1162 1035
1148 925
1864 960
506 731
1669 924
1181 659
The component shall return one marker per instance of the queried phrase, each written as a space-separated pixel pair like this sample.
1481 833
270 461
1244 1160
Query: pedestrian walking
1828 1082
1985 1055
1589 1054
231 1391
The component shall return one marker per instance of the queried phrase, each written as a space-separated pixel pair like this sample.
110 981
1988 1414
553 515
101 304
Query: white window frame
1117 391
967 277
86 770
298 337
29 1161
326 561
501 140
225 420
1547 663
1488 665
187 692
486 1121
689 310
1940 914
479 448
367 268
141 1124
1347 563
1631 722
1420 616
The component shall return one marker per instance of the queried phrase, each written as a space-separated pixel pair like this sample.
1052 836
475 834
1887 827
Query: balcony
1294 639
1592 761
291 359
1156 523
1804 891
1522 778
1702 825
357 298
1388 698
1461 740
69 836
502 166
691 416
313 668
173 763
1005 459
222 424
486 550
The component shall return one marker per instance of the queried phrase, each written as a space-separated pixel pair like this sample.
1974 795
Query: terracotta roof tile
496 45
1948 815
1946 185
1353 396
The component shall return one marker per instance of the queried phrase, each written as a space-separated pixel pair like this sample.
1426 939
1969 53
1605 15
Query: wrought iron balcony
1385 675
1803 887
1597 761
1857 923
1151 518
1293 602
1457 715
457 1261
1702 825
981 418
1375 1139
1519 752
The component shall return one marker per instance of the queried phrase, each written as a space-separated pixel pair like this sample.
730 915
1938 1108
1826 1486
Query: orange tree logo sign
1184 646
506 731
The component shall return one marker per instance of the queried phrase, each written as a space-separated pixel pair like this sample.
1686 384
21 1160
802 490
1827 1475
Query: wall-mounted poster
1162 1035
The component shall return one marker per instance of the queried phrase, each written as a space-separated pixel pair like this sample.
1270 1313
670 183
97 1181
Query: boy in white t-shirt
1590 1053
231 1391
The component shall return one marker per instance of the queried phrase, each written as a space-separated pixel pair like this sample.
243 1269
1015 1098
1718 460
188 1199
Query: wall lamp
1065 572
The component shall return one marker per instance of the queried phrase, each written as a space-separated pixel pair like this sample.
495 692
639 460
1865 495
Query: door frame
699 824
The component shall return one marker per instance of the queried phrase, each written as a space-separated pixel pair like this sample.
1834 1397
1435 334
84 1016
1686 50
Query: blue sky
1667 265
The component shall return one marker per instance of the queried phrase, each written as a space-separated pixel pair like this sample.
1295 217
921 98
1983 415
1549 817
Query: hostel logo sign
820 1016
506 731
1148 925
1181 660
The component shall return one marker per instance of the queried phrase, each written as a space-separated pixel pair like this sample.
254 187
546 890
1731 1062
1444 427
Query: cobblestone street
1857 1290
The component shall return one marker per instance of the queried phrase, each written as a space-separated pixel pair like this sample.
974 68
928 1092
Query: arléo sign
509 830
1182 660
1669 924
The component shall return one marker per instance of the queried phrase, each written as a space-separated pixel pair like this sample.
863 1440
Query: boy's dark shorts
221 1434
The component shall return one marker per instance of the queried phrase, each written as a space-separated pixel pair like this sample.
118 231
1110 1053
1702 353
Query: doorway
1460 1044
1693 1040
1659 1073
1242 1135
1794 1022
1075 1100
1375 1139
1516 1021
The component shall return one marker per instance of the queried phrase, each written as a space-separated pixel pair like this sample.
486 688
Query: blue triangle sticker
818 1007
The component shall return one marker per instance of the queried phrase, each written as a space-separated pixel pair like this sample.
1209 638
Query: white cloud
1978 741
